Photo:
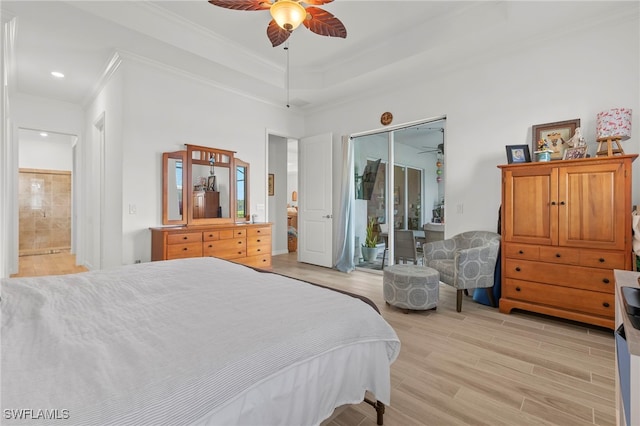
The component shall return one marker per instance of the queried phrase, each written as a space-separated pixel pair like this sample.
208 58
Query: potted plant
370 248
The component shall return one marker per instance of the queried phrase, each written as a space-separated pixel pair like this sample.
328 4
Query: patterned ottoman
411 287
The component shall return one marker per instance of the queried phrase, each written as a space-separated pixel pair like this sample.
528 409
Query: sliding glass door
397 186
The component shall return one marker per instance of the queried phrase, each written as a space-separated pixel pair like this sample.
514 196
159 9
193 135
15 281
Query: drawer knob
605 304
520 252
184 249
210 245
517 269
557 254
517 288
605 280
601 260
562 203
184 238
239 252
553 203
258 231
259 250
210 235
258 240
239 242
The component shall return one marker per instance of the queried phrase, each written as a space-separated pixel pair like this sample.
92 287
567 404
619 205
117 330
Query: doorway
45 192
399 185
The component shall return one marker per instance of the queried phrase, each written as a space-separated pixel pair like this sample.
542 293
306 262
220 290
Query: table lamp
612 126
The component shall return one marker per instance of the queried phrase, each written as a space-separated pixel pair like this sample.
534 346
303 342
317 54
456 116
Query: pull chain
286 48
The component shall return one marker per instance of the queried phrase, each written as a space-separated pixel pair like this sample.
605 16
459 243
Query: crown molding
112 66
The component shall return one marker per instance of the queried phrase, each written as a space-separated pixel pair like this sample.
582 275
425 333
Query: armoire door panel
530 209
589 213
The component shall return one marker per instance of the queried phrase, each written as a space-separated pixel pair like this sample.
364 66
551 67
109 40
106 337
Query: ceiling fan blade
276 34
242 4
324 23
316 2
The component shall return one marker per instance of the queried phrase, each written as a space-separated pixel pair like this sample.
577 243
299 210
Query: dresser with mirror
205 207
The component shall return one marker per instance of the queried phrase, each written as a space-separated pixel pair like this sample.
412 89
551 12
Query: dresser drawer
602 259
227 234
181 251
210 235
256 249
521 251
225 249
262 261
563 275
255 232
591 302
190 237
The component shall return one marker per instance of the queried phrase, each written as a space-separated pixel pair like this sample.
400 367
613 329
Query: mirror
242 191
174 198
204 186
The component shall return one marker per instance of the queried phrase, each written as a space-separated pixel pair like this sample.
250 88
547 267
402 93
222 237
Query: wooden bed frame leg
379 406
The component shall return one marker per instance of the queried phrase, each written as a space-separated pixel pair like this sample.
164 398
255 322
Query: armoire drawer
594 279
591 302
521 251
602 259
564 255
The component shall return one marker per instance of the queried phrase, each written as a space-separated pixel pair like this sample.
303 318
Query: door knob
327 216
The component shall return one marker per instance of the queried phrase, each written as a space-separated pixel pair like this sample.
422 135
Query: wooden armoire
566 225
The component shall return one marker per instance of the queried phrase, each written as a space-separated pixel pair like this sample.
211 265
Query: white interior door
315 209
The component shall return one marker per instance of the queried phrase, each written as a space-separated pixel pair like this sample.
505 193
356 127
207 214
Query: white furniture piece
190 341
627 356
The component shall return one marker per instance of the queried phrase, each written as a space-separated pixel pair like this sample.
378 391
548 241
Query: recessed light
57 74
43 134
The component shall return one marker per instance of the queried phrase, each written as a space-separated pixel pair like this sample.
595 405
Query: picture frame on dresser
555 135
575 153
518 154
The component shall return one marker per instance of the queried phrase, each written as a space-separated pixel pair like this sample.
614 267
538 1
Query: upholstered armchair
465 261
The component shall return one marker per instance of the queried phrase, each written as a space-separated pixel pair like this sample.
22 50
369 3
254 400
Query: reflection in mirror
211 185
210 191
173 193
242 190
174 189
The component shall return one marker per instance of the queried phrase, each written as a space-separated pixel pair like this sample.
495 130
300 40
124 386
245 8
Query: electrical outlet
460 208
132 209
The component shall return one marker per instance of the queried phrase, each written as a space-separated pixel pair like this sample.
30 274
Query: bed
190 341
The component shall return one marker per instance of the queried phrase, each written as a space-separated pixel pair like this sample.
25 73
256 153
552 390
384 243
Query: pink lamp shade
614 124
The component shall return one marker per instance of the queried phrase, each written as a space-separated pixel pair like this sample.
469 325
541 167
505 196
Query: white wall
278 202
162 112
104 251
493 103
43 154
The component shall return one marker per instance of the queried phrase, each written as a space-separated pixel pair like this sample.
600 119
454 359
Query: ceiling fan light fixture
288 14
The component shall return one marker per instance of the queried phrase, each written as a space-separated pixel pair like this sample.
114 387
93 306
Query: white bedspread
180 342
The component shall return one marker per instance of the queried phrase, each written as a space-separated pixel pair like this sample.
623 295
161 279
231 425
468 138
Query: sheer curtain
345 233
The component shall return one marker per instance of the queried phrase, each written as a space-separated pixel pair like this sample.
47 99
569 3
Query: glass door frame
390 131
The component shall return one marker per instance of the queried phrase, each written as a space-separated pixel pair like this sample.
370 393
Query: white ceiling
387 42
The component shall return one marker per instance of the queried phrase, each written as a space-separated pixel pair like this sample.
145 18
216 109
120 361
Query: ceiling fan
288 15
430 149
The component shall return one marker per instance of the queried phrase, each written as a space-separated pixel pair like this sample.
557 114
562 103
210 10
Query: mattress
190 341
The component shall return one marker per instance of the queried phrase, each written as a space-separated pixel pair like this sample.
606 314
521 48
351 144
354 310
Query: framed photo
211 183
553 136
574 153
518 154
271 184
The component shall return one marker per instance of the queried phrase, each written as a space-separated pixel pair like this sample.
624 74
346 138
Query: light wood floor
481 367
47 264
477 367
